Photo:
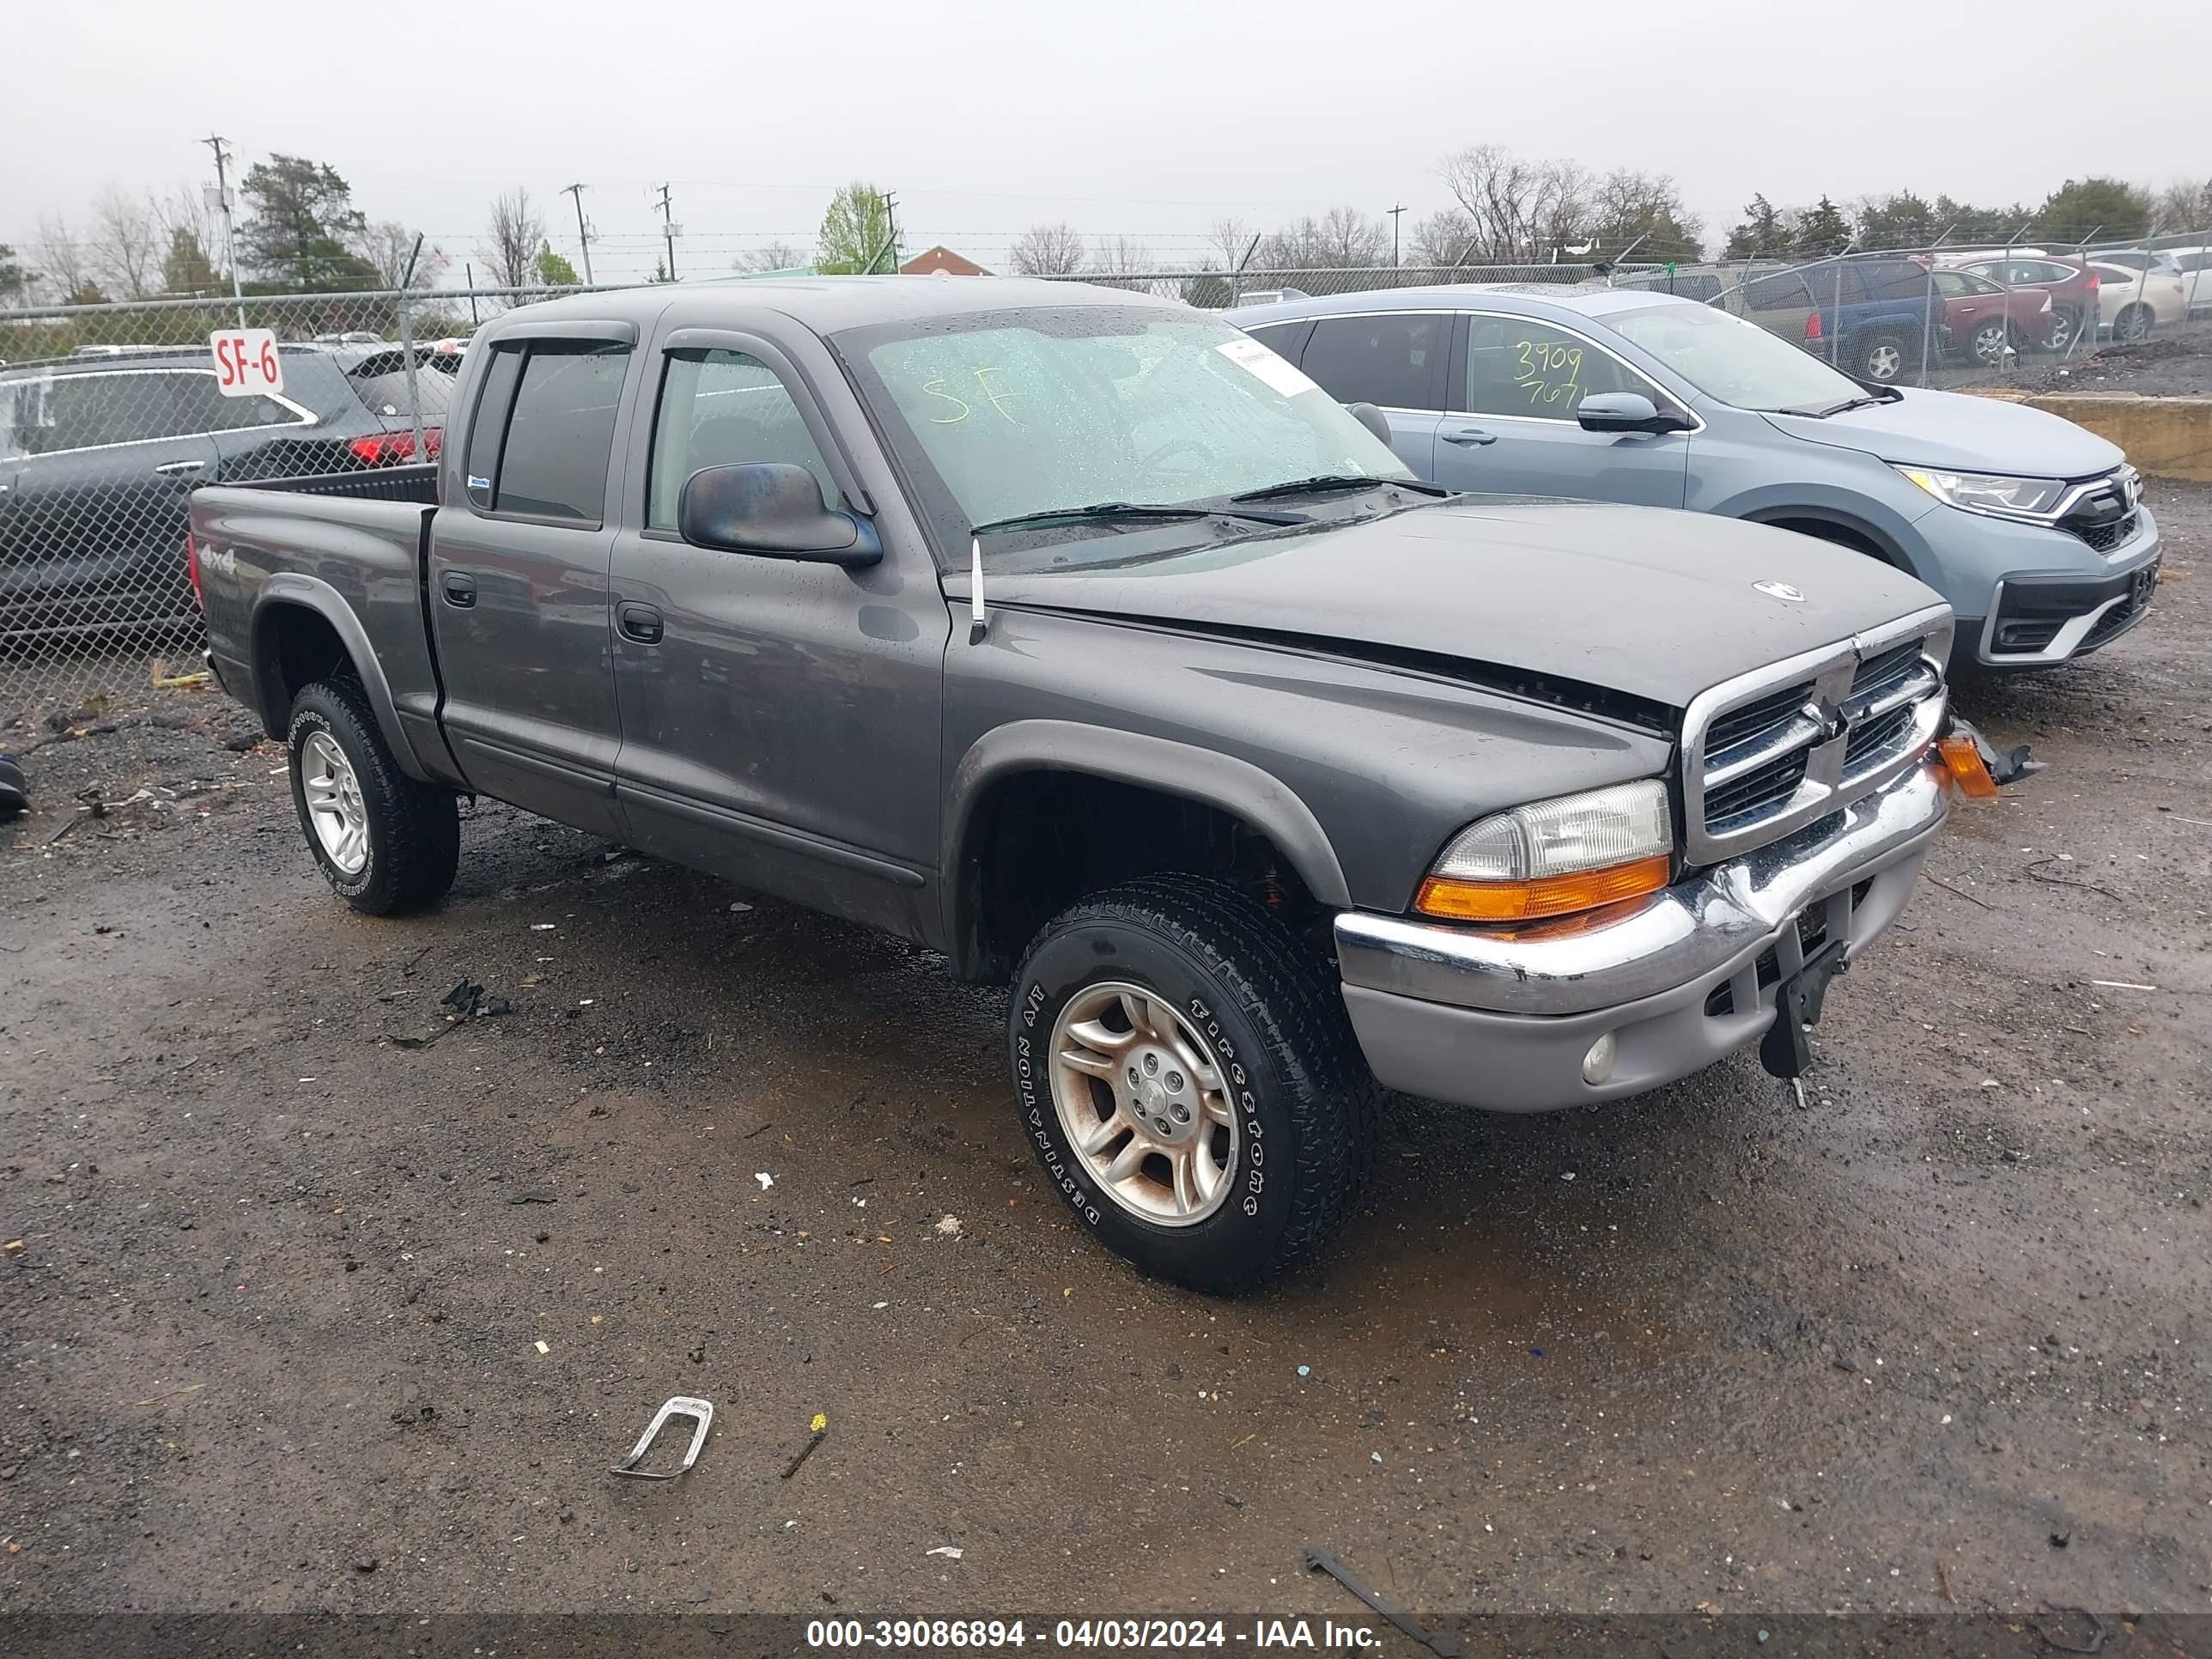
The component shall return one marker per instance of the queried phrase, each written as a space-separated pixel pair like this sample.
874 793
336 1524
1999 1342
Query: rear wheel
386 842
1991 342
2132 323
1188 1078
2063 325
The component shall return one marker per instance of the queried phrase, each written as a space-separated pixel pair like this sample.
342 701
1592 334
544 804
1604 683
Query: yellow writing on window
1550 373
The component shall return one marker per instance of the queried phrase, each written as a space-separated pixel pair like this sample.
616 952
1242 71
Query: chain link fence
110 416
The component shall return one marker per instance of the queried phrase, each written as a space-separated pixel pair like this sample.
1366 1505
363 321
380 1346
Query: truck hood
1656 605
1967 435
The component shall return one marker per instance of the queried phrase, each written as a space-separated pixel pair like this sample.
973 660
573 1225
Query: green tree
551 269
2104 208
14 281
1766 230
185 267
1820 229
856 232
1897 219
301 229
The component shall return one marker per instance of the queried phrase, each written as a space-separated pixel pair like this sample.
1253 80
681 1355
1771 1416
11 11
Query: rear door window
560 433
1282 338
1389 359
201 408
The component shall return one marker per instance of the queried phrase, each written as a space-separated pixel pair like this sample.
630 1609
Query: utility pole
216 143
583 235
1394 213
670 231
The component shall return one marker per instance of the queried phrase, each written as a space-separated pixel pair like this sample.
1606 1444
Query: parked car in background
1700 282
99 452
2196 263
1878 318
2070 284
2032 528
2131 301
1983 320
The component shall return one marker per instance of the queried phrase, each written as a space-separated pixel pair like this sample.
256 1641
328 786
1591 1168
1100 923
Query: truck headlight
1553 858
1990 492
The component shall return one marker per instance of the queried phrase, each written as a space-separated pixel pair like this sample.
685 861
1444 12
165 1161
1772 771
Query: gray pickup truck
1080 637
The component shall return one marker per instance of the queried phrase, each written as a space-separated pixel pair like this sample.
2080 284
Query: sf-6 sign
247 361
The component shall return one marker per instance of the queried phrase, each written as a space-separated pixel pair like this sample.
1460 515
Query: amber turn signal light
1962 760
1454 900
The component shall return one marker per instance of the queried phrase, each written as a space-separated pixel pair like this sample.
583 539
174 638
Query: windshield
997 415
1736 361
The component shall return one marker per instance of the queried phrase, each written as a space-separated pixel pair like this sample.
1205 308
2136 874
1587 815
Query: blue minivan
2032 528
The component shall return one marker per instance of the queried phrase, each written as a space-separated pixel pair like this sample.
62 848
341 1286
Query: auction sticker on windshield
247 361
1264 365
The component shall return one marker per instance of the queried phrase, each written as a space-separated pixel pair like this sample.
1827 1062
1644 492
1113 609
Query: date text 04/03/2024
1119 1634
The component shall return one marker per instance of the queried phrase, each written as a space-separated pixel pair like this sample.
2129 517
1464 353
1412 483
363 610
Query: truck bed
348 546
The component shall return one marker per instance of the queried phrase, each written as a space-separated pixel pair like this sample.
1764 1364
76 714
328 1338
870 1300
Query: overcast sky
1132 117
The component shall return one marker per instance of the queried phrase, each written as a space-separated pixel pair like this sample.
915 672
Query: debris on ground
681 1405
1320 1561
816 1431
947 1227
948 1552
765 1179
470 1000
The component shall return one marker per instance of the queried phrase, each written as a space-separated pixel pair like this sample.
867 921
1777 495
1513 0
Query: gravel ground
305 1320
2177 365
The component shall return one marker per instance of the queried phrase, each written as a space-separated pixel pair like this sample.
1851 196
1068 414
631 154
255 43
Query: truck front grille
1771 751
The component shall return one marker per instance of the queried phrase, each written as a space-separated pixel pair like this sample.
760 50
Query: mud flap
1785 1050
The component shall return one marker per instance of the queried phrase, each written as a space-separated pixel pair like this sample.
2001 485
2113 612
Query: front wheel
1882 357
386 842
1188 1078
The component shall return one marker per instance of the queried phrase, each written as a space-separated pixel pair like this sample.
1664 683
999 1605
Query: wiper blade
1327 481
1109 511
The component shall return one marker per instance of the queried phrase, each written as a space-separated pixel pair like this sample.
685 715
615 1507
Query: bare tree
2184 204
1054 250
1520 211
389 245
62 265
192 246
772 256
512 236
1342 239
1231 239
1443 239
124 248
1626 207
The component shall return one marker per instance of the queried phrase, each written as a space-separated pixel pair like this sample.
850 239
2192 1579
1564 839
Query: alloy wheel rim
1142 1104
335 809
1883 363
1989 342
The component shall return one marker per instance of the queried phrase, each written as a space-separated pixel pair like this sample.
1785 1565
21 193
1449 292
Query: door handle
1470 437
178 468
640 623
460 588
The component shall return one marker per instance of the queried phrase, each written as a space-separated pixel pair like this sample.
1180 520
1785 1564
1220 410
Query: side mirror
1370 418
1626 411
773 509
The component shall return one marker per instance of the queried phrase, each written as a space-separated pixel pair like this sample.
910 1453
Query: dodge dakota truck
1080 637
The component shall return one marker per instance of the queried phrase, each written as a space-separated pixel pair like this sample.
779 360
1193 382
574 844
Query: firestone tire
1259 1012
409 832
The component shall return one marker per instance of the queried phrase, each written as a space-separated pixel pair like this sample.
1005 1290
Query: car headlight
1990 492
1552 858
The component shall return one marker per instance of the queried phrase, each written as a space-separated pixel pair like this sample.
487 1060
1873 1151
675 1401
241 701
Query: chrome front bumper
1490 1020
